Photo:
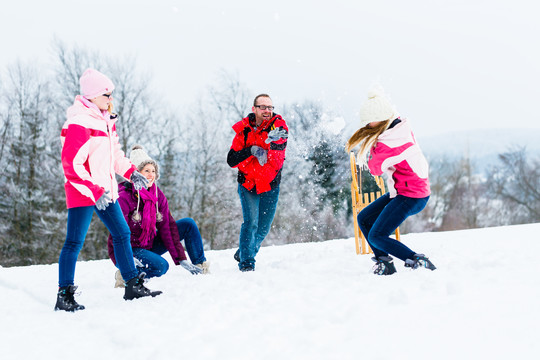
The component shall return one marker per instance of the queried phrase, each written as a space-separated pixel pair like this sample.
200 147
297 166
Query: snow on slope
305 301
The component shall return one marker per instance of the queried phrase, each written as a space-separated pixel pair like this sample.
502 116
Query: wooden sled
360 201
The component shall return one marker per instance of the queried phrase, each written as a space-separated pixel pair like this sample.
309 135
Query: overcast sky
447 65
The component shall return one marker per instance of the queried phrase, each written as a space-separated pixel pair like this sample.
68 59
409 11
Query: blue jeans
258 211
189 232
155 265
78 221
382 217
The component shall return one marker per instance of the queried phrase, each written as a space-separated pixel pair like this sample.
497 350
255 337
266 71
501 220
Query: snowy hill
305 301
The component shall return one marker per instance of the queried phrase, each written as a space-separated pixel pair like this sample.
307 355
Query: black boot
237 255
65 299
384 265
420 260
135 288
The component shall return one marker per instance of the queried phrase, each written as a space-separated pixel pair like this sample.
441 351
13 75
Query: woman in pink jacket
388 146
91 156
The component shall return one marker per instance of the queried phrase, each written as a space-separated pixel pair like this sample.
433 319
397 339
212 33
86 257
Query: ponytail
367 137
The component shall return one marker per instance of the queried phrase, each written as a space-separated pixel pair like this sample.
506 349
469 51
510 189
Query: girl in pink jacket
91 156
387 146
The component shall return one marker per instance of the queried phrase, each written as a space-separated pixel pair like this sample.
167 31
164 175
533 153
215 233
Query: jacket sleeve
75 153
168 232
382 157
234 158
122 165
240 151
375 161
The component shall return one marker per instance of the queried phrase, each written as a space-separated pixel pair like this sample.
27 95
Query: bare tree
138 112
208 187
29 203
230 96
516 181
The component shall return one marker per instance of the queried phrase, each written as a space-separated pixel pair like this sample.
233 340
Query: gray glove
138 263
103 201
139 181
260 154
191 268
276 134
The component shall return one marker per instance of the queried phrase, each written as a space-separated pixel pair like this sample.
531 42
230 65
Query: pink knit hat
93 83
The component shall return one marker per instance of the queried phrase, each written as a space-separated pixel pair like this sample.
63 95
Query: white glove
260 154
190 267
276 134
139 181
103 201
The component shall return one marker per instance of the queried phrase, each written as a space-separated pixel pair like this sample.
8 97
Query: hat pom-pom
375 91
136 217
137 147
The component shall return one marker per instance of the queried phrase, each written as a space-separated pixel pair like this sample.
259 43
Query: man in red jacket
258 151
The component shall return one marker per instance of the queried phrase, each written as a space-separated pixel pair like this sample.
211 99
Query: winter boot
419 260
119 280
247 268
384 265
205 266
66 301
135 288
237 255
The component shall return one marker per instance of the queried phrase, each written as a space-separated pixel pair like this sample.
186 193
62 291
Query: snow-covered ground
305 301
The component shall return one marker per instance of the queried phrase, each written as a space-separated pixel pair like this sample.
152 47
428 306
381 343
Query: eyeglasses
108 96
264 107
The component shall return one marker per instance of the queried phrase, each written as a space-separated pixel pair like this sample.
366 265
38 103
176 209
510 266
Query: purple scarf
148 217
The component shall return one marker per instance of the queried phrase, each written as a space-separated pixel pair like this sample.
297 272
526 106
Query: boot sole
152 294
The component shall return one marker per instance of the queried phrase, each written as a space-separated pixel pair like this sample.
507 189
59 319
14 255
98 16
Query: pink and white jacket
91 154
397 153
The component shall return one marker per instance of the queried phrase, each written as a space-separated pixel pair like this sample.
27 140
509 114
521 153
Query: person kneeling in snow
153 229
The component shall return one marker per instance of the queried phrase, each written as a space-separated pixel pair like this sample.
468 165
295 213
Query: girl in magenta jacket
153 228
387 146
91 158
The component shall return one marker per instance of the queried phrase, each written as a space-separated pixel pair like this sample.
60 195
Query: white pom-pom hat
140 159
377 108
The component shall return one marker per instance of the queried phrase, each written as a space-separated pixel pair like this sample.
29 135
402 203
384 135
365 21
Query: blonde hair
367 137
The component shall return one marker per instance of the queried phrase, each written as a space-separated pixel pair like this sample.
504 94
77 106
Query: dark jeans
189 232
382 217
78 221
154 265
258 211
